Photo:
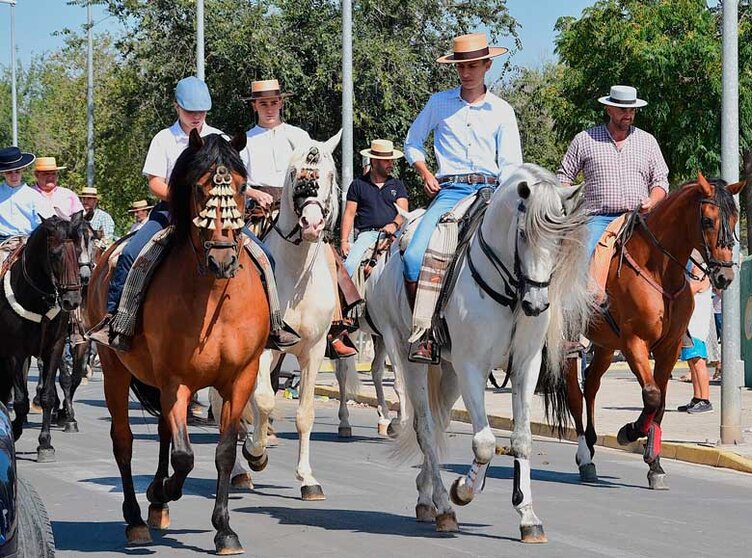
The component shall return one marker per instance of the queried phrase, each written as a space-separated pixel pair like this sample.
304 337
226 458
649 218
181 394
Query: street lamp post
347 100
14 101
200 39
90 100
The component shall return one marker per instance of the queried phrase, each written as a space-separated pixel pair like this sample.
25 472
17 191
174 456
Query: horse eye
523 235
707 223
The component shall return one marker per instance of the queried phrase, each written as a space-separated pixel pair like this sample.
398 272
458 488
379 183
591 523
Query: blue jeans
365 240
597 226
159 218
444 201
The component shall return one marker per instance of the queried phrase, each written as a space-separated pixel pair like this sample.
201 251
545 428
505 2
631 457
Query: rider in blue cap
192 102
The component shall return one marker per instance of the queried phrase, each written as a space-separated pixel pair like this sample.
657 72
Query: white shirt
478 138
268 152
167 146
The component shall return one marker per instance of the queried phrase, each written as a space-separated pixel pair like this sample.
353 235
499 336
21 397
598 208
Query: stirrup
425 344
283 338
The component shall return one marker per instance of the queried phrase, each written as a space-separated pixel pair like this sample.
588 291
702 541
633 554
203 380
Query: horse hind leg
159 511
377 375
344 430
262 402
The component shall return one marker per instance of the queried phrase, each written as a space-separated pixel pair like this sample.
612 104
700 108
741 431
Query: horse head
56 275
546 214
715 234
311 189
207 195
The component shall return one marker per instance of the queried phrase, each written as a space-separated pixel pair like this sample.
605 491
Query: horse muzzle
721 277
70 300
534 300
223 266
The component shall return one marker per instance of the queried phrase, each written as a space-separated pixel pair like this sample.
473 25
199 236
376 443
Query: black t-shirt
375 205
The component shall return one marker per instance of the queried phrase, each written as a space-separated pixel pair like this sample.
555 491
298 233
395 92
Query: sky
37 21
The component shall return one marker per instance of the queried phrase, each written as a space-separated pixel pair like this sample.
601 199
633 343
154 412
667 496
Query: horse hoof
71 427
393 429
242 481
454 493
532 534
312 492
425 513
46 455
228 544
657 482
587 473
622 437
137 534
159 516
383 429
258 463
344 432
447 523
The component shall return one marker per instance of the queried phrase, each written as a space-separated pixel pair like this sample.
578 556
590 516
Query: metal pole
200 39
731 397
90 99
14 101
347 100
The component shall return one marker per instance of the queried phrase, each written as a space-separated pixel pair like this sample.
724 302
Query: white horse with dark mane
530 244
308 208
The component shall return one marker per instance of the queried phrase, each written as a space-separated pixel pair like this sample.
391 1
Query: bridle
71 283
222 196
712 264
305 192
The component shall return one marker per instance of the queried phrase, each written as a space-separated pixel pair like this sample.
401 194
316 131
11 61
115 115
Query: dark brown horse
649 307
204 322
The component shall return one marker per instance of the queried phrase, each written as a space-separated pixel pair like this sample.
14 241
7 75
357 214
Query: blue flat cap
192 94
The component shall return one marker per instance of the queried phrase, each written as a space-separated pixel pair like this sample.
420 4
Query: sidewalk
692 438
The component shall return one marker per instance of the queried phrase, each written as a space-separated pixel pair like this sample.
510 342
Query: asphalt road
369 511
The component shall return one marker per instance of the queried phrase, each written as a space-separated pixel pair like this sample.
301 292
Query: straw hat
266 88
382 149
46 164
87 192
139 206
623 96
468 48
11 158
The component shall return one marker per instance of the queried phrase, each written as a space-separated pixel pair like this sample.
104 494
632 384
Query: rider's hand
261 198
431 185
647 204
344 247
390 228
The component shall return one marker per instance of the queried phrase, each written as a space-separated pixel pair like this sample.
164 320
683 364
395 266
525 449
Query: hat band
267 93
471 54
11 162
622 102
382 153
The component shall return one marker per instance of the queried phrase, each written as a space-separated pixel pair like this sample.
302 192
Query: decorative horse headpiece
222 196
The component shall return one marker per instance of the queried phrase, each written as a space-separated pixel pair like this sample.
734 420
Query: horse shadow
503 472
363 521
332 437
107 536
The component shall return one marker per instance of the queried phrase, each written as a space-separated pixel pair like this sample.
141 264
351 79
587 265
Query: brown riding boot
422 351
339 343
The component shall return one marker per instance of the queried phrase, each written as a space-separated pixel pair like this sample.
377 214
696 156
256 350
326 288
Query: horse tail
148 396
553 385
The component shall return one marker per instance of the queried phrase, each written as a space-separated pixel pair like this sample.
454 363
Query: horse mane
189 168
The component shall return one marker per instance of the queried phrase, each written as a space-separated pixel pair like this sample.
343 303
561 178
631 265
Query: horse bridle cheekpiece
71 281
725 240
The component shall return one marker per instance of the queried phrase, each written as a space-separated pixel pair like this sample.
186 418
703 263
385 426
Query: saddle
10 250
605 250
441 264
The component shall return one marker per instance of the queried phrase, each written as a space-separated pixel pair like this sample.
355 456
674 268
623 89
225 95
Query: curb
691 453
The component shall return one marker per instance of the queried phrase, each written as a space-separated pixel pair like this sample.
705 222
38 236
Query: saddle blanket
600 262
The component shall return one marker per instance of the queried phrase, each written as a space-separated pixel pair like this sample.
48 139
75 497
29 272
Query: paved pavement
369 510
693 438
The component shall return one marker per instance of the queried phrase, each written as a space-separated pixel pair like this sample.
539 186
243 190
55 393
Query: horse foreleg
377 375
18 370
54 342
159 512
636 353
262 403
175 408
310 362
116 386
524 379
586 444
344 430
472 381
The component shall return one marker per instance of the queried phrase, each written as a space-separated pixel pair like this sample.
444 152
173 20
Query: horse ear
523 190
331 144
76 218
736 187
195 141
705 186
239 141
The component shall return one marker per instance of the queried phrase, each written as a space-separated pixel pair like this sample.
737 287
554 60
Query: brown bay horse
649 307
205 321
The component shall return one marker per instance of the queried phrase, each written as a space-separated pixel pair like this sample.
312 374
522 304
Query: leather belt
468 179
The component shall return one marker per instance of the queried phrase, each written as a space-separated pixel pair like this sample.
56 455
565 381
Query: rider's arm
414 148
348 218
158 186
571 164
508 146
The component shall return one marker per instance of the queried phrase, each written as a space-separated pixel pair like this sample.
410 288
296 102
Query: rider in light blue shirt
476 141
21 208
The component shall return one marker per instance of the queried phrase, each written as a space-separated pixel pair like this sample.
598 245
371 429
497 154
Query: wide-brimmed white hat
468 48
623 96
382 149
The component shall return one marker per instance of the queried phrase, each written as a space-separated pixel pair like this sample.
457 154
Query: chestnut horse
205 292
649 307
